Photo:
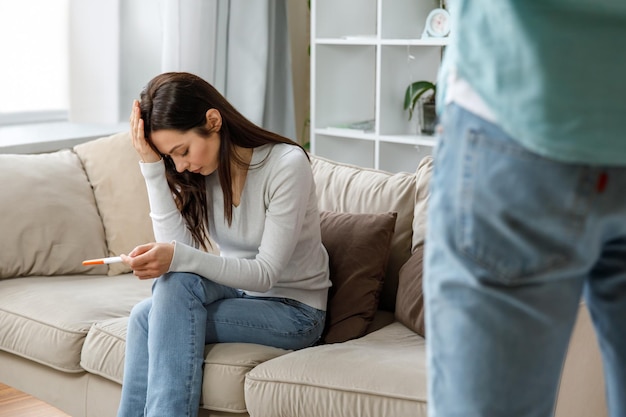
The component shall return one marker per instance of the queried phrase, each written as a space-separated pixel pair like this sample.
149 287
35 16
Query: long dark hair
179 101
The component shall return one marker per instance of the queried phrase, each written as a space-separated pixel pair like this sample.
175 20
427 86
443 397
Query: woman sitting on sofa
211 172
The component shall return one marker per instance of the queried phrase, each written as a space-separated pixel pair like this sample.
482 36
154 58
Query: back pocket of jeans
517 212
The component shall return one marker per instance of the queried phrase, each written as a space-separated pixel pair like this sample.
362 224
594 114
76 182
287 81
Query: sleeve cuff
152 170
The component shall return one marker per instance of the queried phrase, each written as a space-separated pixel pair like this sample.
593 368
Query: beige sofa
62 326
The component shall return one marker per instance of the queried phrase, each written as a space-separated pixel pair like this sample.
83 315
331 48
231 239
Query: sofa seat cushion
225 368
104 349
225 364
381 374
46 319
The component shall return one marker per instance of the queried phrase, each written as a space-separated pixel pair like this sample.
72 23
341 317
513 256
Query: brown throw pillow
410 299
358 246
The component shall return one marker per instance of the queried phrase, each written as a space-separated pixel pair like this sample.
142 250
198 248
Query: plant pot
427 117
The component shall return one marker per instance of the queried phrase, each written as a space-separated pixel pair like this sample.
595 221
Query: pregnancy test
102 261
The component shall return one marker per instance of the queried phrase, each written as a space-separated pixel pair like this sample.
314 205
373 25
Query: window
34 72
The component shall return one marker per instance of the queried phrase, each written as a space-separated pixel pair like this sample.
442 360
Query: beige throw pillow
350 189
112 165
423 174
49 220
410 301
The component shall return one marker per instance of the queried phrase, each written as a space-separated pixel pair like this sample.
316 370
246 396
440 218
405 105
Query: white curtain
239 46
189 36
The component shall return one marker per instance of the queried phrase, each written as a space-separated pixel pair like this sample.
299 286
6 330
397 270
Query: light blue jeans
167 334
514 240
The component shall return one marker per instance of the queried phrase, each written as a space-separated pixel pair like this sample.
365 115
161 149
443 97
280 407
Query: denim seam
306 331
582 202
193 368
466 193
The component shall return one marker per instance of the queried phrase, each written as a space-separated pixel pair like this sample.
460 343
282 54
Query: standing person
528 206
211 172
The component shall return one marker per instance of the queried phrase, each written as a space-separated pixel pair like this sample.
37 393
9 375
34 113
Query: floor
14 403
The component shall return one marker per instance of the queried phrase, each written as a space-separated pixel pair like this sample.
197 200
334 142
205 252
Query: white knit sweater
273 247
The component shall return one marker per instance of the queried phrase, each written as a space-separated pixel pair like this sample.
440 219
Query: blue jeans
167 334
514 241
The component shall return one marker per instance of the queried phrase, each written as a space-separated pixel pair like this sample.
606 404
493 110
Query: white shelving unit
364 53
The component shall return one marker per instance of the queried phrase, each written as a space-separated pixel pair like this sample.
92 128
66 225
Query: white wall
94 61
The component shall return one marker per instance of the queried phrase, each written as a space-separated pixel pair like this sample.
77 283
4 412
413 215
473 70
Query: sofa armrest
581 392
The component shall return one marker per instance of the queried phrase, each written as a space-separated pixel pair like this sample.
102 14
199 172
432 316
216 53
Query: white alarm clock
437 24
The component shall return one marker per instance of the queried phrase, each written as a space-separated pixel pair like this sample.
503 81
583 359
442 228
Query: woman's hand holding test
150 260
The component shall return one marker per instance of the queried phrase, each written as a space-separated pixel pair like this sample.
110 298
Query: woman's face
189 151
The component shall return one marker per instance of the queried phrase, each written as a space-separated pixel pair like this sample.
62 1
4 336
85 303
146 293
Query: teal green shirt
553 72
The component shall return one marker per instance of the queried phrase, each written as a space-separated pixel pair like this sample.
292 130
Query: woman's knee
139 315
175 284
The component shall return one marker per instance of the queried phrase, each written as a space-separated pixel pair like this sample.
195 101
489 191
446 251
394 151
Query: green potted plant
422 92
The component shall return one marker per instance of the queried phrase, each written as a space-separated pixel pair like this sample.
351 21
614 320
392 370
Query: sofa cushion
112 166
410 299
351 189
104 349
225 364
225 368
46 319
381 374
422 185
358 248
51 223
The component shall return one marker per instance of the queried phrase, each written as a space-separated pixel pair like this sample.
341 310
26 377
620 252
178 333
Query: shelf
395 157
372 40
417 140
348 40
346 133
416 42
336 18
354 151
347 73
364 54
